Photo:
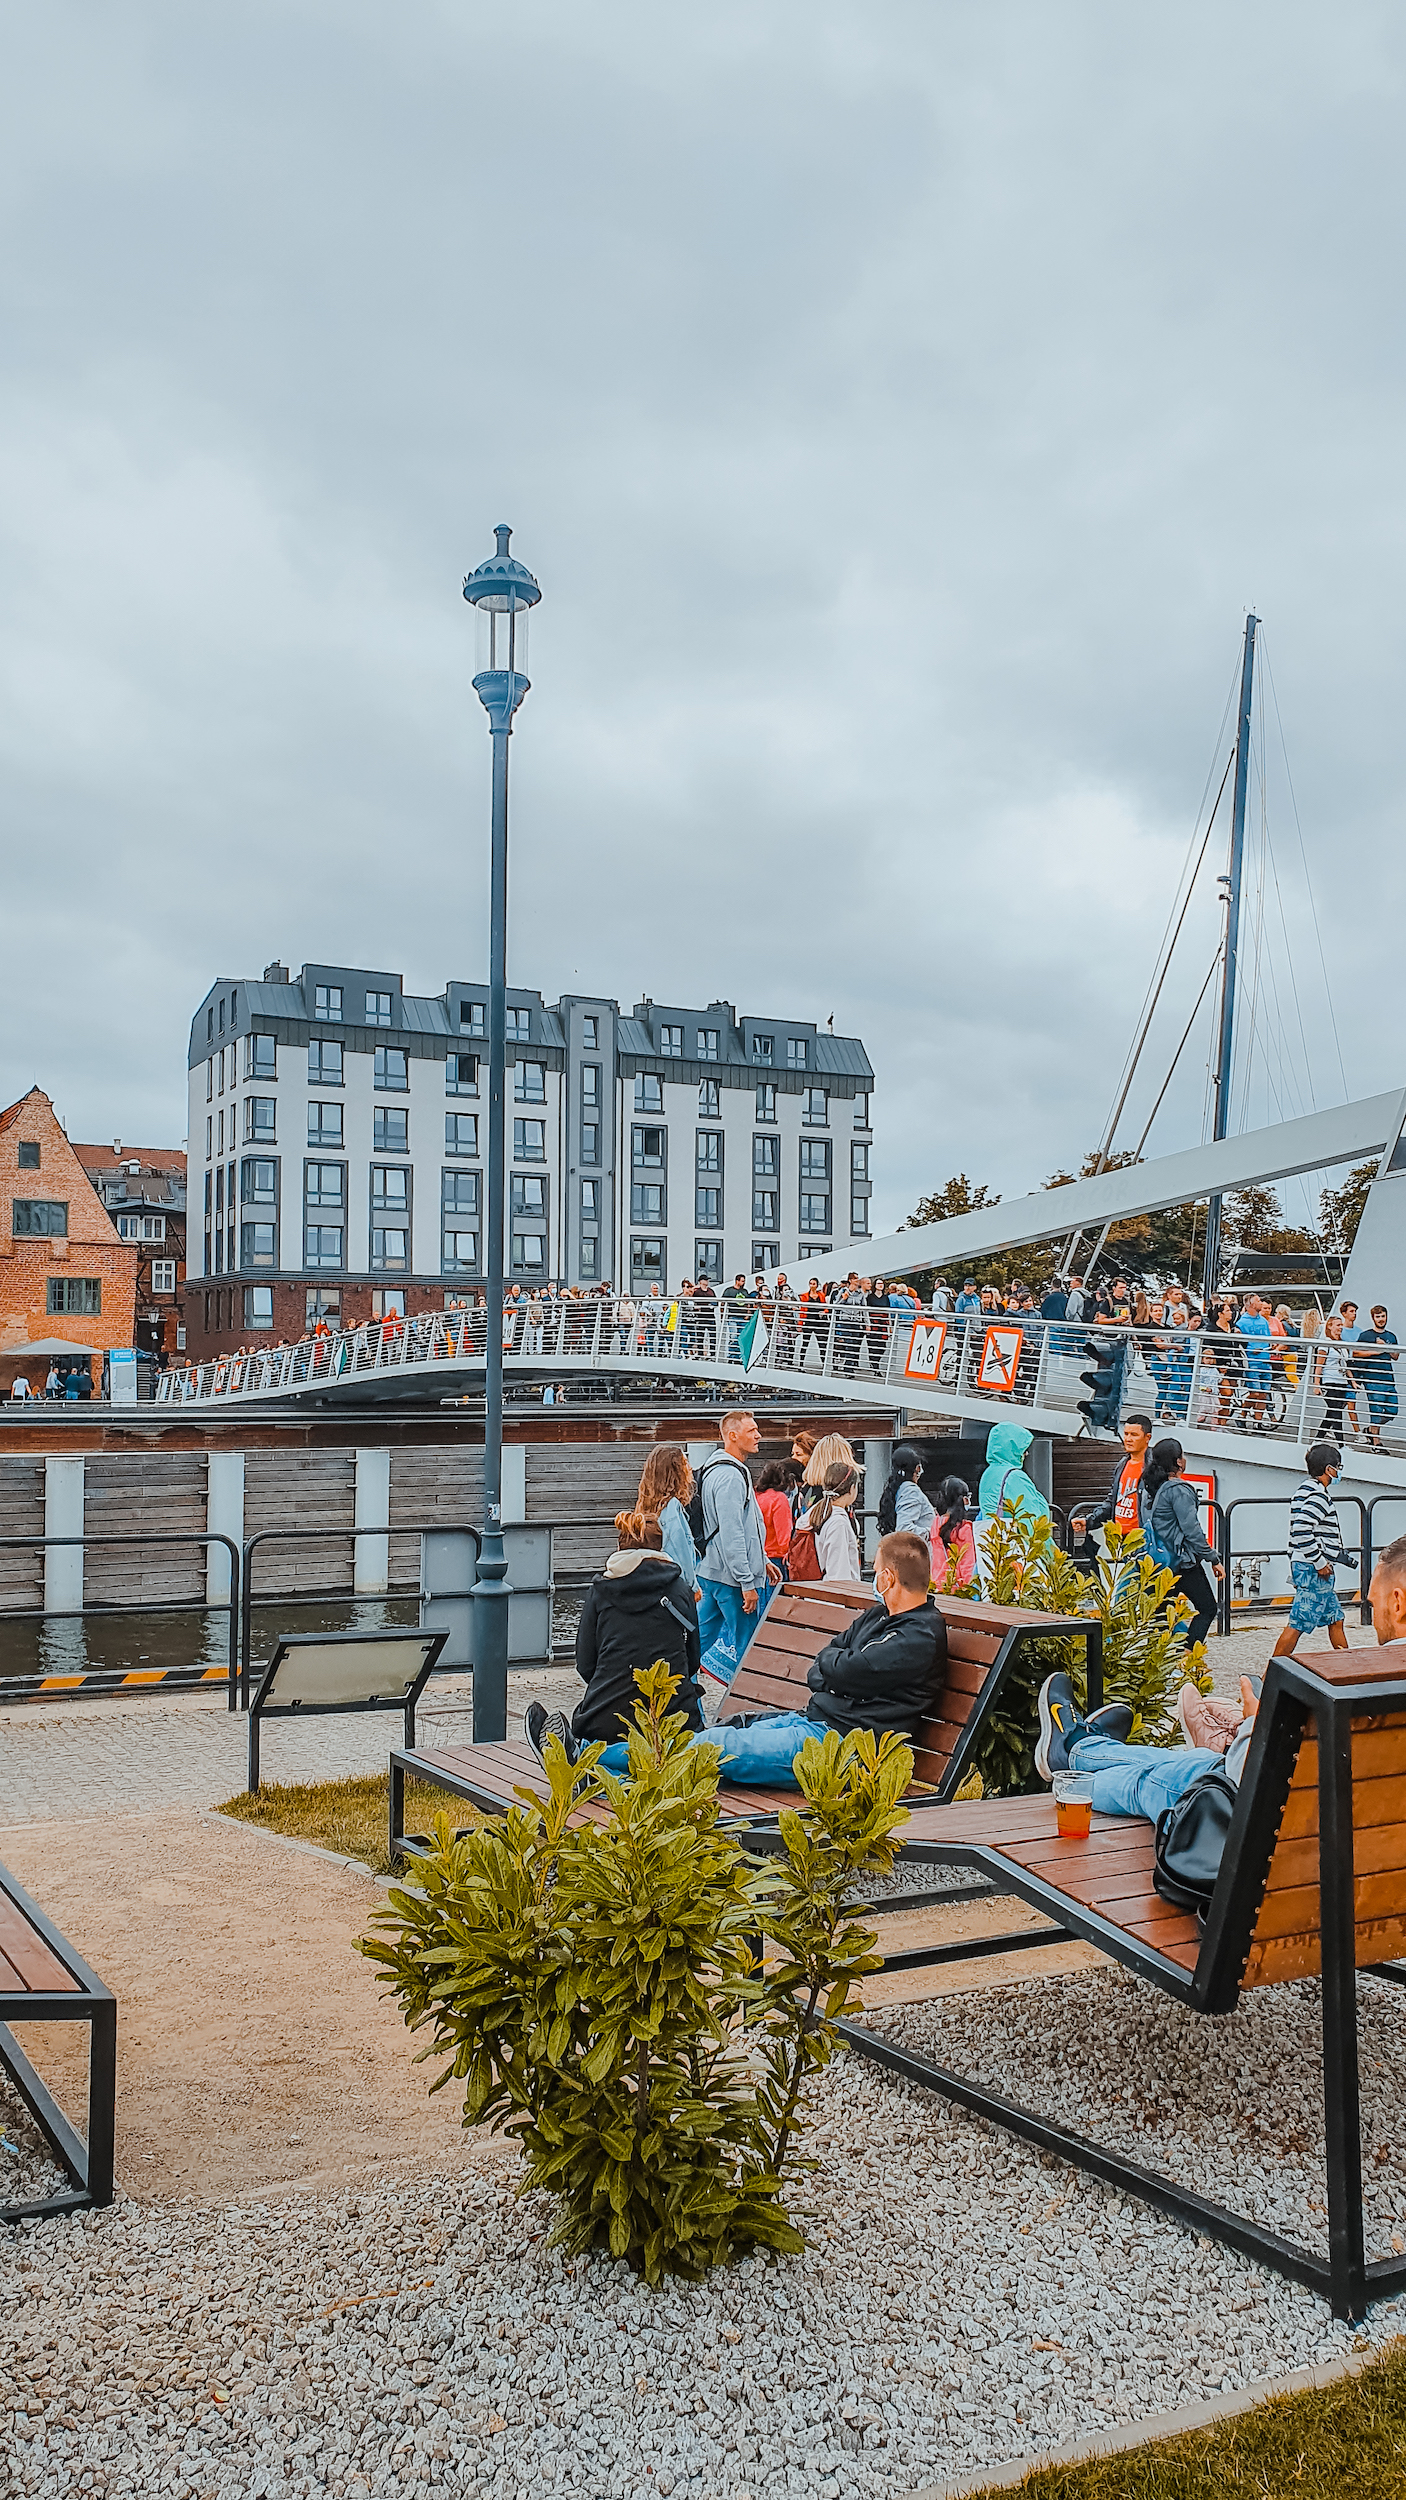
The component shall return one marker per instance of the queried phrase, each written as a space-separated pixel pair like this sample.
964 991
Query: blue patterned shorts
1315 1599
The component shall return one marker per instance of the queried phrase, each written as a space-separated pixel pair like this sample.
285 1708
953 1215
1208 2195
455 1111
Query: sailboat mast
1225 1054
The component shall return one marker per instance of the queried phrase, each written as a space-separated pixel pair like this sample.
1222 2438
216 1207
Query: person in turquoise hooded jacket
1004 1478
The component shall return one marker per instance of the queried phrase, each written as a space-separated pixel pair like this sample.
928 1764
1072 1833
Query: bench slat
36 1967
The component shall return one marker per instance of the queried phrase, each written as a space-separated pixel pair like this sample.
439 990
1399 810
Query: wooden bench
42 1980
982 1643
1312 1883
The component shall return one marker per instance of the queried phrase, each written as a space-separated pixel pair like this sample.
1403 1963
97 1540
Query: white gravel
28 2169
962 2300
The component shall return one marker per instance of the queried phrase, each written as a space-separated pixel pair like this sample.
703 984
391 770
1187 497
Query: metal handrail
1282 1501
164 1536
298 1536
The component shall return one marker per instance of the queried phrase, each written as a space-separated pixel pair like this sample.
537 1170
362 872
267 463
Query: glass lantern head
502 594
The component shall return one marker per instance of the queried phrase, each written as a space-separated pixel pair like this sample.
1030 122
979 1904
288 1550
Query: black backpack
702 1536
1190 1842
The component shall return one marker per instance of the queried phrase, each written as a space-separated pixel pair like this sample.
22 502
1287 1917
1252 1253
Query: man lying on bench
884 1672
1143 1779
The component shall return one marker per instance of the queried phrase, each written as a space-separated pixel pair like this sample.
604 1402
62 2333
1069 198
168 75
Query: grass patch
350 1816
1344 2442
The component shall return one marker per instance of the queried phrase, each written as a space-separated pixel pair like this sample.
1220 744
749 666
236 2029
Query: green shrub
1146 1659
598 1988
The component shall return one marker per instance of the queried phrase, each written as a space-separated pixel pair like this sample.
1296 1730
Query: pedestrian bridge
916 1363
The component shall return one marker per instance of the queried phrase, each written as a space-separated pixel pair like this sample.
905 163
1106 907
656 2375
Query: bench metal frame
266 1704
1292 1696
89 2166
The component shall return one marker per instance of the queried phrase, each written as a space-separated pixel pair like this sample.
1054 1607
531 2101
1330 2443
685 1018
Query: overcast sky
900 405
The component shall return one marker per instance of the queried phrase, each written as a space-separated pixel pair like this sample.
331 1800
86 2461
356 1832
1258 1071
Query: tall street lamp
502 591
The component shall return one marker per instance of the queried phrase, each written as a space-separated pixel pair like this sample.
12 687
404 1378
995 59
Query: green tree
1342 1207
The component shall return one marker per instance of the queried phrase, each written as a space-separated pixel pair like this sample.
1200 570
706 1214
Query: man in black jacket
884 1672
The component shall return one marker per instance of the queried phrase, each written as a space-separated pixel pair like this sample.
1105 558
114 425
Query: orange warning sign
1000 1358
923 1360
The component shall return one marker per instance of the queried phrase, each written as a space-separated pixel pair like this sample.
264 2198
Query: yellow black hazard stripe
108 1680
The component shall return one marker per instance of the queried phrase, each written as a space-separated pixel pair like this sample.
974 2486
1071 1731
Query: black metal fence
148 1606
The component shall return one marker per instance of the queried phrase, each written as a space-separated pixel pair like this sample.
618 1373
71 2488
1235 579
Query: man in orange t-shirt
1120 1507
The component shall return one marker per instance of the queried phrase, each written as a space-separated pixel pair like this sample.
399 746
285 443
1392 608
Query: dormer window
762 1046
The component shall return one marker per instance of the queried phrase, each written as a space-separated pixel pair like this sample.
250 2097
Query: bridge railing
1283 1387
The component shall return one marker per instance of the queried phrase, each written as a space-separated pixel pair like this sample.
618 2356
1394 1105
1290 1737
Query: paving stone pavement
141 1753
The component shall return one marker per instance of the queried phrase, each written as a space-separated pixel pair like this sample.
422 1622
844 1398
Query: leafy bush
1146 1659
596 1982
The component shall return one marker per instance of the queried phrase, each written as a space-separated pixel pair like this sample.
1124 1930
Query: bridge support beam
371 1570
224 1516
63 1516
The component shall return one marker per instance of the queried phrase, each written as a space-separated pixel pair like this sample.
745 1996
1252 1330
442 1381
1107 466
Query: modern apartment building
338 1129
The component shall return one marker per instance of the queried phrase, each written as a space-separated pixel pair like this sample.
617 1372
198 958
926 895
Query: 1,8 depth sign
924 1357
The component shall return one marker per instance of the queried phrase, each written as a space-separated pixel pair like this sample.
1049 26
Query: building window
647 1260
797 1052
519 1024
390 1187
234 1007
590 1141
141 1228
322 1245
209 1036
209 1139
324 1063
388 1302
209 1080
391 1071
46 1216
220 1134
647 1202
222 1015
530 1081
708 1150
590 1258
649 1093
815 1107
529 1253
649 1149
459 1251
322 1302
859 1163
529 1141
815 1212
258 1181
28 1157
590 1032
590 1089
390 1246
326 1005
261 1119
766 1158
707 1041
472 1017
859 1215
390 1131
765 1254
590 1201
82 1296
258 1245
378 1006
528 1198
163 1275
815 1159
671 1041
707 1206
709 1105
258 1306
708 1260
861 1111
459 1193
261 1059
766 1210
461 1072
461 1132
324 1124
323 1184
762 1044
766 1102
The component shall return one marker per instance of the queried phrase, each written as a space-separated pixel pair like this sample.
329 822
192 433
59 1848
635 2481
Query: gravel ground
962 2300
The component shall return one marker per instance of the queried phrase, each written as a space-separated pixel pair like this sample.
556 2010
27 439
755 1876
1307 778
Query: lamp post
502 592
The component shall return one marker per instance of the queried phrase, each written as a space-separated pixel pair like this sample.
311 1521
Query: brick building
64 1274
144 1190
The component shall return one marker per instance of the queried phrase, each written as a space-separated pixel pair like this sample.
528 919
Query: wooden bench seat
1312 1885
42 1979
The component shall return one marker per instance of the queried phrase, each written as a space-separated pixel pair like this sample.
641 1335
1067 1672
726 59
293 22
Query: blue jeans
1139 1779
723 1628
753 1757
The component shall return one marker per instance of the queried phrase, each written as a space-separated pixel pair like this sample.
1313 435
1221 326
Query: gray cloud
900 408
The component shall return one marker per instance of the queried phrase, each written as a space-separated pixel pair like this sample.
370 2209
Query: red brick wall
91 1248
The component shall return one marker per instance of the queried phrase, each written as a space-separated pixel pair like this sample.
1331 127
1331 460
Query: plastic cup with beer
1074 1804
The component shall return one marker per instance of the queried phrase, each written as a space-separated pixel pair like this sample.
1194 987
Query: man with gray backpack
729 1536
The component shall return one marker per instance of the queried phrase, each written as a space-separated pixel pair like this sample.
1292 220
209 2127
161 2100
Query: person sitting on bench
640 1609
1143 1779
884 1672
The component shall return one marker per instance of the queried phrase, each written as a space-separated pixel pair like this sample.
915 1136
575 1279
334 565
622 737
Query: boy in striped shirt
1315 1547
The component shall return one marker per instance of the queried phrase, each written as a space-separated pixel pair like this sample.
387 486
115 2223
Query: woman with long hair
1335 1380
831 1450
950 1539
1173 1534
638 1612
666 1489
836 1545
903 1503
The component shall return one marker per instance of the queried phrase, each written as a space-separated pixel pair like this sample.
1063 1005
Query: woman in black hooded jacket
638 1611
